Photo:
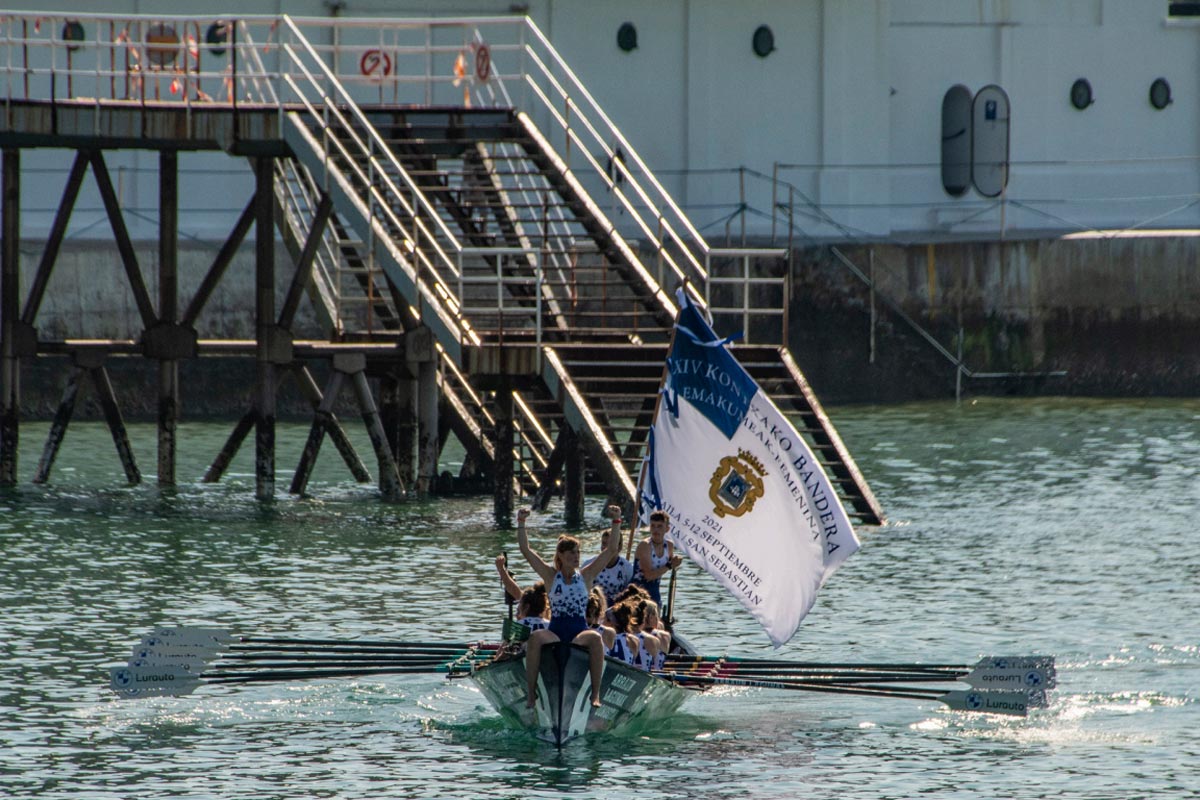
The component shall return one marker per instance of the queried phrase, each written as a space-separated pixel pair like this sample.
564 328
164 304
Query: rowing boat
564 711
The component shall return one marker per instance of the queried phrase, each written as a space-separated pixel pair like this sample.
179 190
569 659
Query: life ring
483 63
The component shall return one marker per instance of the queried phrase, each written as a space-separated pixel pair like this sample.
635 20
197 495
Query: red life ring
483 62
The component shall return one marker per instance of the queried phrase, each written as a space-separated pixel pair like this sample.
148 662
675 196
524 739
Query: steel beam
57 233
124 246
220 264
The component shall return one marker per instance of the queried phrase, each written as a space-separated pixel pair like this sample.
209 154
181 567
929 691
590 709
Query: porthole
763 41
627 37
72 31
216 37
1160 93
1081 94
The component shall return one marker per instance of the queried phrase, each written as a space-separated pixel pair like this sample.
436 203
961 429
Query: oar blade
982 701
1011 678
130 682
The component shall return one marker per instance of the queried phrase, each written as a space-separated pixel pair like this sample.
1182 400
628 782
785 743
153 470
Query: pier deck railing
336 66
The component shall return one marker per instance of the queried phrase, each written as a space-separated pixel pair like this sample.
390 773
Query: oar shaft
696 661
300 675
880 691
356 643
340 656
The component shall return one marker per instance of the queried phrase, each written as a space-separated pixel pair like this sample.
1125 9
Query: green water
1022 526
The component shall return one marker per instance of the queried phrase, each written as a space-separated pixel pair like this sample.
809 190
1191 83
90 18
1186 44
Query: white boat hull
564 711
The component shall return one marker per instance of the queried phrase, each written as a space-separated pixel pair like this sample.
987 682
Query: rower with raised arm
617 573
569 591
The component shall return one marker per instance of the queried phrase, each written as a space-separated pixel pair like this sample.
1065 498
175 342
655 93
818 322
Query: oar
1044 664
992 702
220 638
165 679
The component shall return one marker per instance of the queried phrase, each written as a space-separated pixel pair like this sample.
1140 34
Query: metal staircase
474 222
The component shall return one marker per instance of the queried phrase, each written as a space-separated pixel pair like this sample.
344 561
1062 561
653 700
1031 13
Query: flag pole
637 500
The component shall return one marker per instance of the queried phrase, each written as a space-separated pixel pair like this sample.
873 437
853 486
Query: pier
446 193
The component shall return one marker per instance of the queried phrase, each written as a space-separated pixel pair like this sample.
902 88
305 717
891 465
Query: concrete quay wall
1120 314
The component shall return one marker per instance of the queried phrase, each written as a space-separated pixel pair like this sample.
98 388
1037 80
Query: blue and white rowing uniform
534 623
620 650
568 605
643 660
614 579
656 562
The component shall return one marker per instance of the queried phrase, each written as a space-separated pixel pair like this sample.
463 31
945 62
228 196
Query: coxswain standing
654 556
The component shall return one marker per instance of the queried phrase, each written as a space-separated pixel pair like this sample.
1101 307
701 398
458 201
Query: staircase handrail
375 139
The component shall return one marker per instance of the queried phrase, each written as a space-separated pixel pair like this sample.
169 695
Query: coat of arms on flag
736 484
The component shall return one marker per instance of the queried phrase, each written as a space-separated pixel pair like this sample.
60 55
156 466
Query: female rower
654 556
597 607
648 642
652 628
533 609
617 573
568 603
625 644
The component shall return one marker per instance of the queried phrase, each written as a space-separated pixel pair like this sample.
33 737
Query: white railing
327 69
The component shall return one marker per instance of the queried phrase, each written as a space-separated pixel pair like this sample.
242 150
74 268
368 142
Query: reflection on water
1018 526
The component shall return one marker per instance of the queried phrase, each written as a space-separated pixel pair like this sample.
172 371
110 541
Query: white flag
746 498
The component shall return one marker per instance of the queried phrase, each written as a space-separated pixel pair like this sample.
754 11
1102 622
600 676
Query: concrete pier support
264 263
502 474
10 365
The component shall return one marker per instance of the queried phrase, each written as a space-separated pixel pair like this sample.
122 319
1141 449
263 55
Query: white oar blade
150 681
187 636
1044 663
178 664
988 702
1026 678
165 652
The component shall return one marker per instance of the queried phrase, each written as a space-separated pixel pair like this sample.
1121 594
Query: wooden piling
10 253
574 479
333 427
231 446
502 474
322 415
264 306
116 424
398 410
58 428
389 478
427 427
168 283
